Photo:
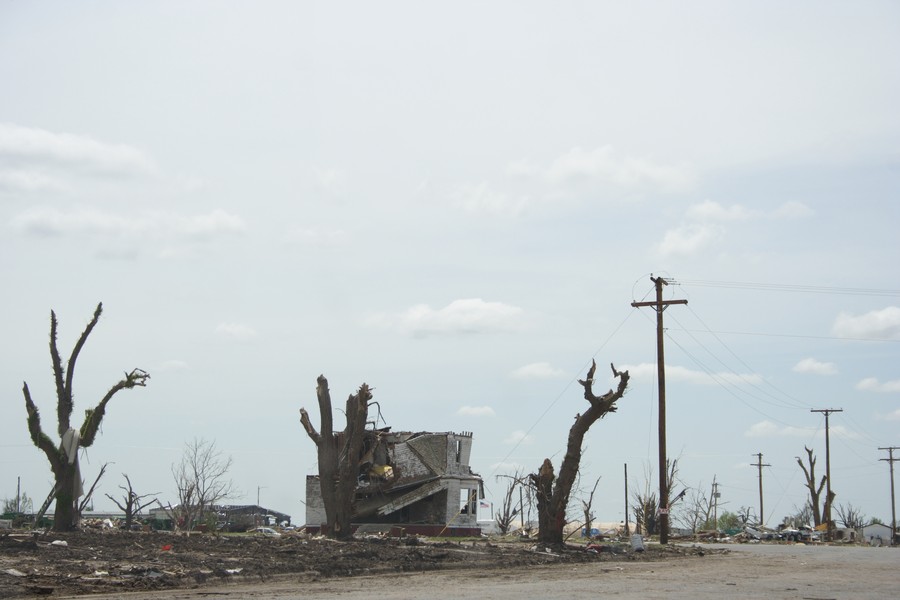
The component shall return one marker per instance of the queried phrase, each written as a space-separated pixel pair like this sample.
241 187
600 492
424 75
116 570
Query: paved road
770 572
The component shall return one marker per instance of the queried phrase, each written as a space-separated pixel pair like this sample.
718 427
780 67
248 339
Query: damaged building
420 482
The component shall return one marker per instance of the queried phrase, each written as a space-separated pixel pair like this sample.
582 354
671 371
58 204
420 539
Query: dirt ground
97 562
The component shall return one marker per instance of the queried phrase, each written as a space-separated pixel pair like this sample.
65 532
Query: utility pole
660 305
828 497
890 460
626 496
759 464
715 499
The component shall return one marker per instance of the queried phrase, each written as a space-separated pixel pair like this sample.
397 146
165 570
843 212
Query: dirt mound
88 562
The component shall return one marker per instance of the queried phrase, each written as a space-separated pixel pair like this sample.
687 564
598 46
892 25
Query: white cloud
793 210
677 373
815 367
476 411
871 384
529 185
207 225
540 370
54 222
483 198
472 315
713 211
26 181
879 324
518 437
893 416
32 158
236 331
689 239
605 165
766 429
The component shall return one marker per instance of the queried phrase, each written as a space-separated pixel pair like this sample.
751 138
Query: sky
457 203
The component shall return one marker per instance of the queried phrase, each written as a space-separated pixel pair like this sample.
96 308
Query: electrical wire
808 289
562 393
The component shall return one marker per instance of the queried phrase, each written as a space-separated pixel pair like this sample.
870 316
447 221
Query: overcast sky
456 203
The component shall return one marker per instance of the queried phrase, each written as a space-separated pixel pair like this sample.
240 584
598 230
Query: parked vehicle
266 531
761 533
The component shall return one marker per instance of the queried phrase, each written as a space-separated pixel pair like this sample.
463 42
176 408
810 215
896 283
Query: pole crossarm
655 304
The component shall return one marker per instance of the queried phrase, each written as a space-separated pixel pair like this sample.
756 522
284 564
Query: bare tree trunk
63 458
132 502
339 455
505 515
586 505
815 491
553 493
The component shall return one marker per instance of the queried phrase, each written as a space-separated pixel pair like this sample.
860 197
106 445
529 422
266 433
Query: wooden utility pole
759 464
828 497
660 305
715 500
626 496
890 460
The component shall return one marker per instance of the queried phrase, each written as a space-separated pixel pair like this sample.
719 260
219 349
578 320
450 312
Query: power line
798 336
807 289
794 404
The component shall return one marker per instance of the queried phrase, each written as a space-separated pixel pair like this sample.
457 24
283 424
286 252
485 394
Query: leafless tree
87 501
552 492
646 513
747 514
63 457
201 479
815 490
646 503
21 504
507 511
132 503
339 455
696 512
851 516
586 508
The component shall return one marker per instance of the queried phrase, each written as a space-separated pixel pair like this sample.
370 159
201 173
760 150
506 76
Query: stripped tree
507 512
815 489
63 457
339 455
588 511
553 492
132 503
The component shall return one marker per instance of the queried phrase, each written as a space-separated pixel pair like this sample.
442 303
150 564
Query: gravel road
747 571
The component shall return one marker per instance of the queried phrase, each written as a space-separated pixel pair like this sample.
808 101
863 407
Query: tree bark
338 455
553 496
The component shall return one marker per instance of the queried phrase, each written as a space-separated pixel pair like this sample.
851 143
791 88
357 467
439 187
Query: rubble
111 561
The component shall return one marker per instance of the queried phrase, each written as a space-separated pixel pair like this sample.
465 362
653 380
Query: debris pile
111 560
